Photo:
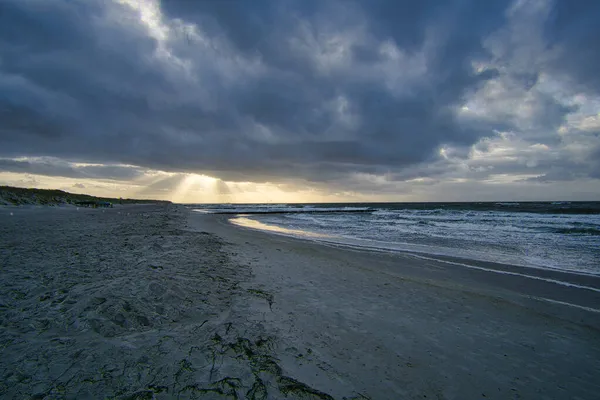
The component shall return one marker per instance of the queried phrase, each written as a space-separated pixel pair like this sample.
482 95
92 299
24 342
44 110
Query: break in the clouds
357 99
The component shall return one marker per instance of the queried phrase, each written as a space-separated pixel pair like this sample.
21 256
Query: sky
302 100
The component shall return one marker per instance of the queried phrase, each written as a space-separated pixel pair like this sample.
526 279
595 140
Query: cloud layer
362 95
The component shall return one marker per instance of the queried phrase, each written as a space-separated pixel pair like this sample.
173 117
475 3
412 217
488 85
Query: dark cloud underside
265 90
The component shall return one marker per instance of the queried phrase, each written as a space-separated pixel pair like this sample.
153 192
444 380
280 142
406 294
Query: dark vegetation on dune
20 196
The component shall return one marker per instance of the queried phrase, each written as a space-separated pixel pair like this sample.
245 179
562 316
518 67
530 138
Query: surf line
412 254
539 278
564 303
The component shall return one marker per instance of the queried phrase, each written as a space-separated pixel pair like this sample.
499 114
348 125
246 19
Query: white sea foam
564 303
504 272
261 209
512 233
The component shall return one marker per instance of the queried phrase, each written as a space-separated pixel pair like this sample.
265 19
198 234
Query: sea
549 235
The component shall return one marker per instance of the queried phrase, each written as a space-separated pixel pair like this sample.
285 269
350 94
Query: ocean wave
556 207
578 231
510 235
283 210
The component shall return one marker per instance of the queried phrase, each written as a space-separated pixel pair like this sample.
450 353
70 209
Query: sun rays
195 186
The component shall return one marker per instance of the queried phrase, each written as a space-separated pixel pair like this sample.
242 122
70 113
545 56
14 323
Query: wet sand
395 326
142 302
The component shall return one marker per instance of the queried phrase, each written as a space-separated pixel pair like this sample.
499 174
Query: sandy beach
156 301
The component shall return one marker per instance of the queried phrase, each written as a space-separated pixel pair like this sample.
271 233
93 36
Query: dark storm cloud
258 90
54 167
574 27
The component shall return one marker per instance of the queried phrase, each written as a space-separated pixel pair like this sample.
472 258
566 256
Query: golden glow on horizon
187 188
94 187
193 188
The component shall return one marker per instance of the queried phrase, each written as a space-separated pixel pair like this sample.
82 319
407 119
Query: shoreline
160 302
322 238
563 278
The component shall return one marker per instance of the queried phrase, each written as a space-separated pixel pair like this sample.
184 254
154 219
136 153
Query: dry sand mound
126 303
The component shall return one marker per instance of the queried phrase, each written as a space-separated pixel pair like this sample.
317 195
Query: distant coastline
15 196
